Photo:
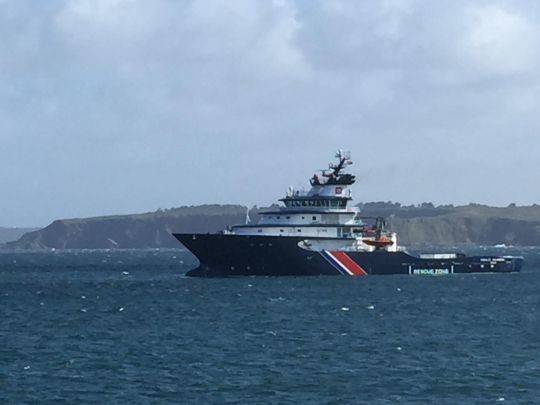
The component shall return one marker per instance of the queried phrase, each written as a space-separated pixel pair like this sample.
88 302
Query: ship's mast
334 175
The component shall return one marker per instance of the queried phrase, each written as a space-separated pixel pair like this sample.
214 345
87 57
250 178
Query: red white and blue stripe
342 262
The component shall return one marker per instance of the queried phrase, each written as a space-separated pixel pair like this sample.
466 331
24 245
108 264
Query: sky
125 106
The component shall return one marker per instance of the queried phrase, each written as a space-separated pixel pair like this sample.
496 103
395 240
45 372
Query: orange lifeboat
378 243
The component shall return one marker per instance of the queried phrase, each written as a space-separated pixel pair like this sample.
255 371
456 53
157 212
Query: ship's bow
199 246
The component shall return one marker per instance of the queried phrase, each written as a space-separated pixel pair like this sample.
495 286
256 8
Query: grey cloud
110 106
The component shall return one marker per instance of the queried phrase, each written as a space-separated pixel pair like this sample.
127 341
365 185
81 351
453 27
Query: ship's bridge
320 196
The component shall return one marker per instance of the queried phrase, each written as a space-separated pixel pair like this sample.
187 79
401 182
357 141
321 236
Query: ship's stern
513 263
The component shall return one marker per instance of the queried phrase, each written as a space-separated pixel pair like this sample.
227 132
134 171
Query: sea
127 326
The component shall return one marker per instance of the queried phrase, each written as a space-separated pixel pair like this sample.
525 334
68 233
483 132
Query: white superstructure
321 215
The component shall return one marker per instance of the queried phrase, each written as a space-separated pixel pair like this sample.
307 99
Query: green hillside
423 224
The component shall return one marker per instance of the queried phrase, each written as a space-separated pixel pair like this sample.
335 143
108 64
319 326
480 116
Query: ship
317 232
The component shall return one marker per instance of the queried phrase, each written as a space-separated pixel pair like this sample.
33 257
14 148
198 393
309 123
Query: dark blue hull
238 255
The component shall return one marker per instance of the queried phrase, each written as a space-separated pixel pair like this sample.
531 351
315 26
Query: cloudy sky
122 106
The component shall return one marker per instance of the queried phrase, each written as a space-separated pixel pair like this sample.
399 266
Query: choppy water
128 327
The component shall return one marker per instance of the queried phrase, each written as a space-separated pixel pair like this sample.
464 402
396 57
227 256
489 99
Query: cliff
416 225
469 224
149 230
